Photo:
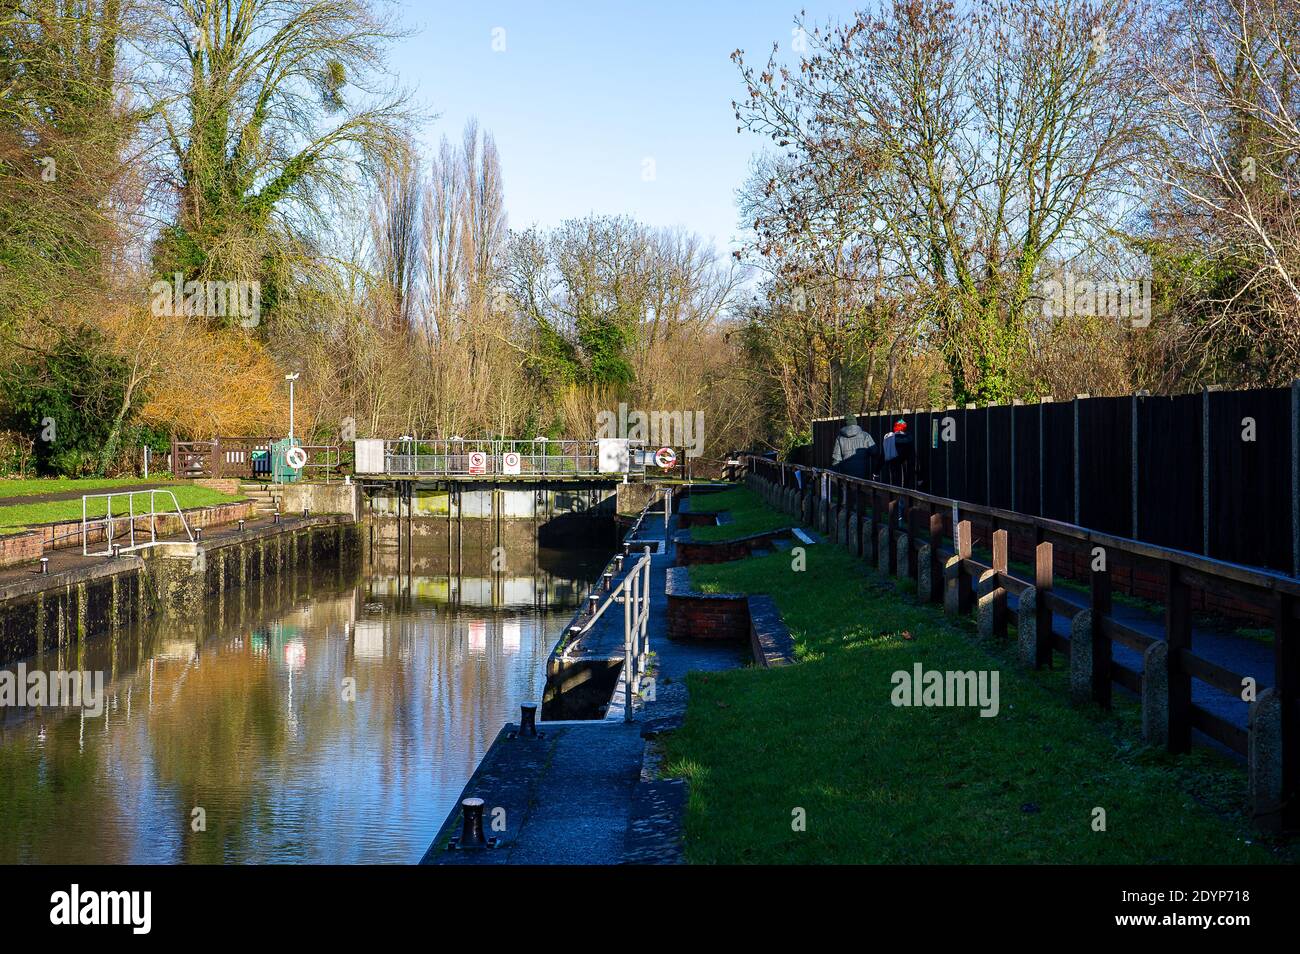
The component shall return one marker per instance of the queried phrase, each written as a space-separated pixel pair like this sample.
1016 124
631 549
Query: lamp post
291 378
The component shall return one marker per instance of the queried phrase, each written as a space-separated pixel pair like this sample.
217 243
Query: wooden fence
1215 473
932 539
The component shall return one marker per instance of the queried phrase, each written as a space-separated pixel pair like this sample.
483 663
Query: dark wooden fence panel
1250 500
1106 465
1026 419
977 484
1169 471
1058 461
1251 503
1000 464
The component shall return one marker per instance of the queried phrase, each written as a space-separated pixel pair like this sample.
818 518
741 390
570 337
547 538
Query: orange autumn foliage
199 382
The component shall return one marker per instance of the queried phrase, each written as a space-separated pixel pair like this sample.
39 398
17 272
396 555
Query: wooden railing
219 457
871 518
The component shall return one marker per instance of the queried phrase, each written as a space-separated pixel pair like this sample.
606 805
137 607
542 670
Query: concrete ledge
696 552
769 638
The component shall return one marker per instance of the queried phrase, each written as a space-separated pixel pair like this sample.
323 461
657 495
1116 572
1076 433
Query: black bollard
528 720
241 524
471 834
198 534
45 566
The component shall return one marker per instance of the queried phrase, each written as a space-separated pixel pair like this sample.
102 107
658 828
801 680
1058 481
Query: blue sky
585 93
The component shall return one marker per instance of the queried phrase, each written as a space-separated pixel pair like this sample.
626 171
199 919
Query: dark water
249 716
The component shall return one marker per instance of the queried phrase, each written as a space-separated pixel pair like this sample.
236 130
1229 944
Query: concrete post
1081 657
882 550
1155 694
900 555
952 586
986 588
851 534
1265 760
1027 627
841 525
924 581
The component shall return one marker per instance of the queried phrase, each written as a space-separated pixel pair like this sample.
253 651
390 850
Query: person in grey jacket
852 449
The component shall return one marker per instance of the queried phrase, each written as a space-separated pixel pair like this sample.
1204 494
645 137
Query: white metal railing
131 516
633 591
320 457
451 457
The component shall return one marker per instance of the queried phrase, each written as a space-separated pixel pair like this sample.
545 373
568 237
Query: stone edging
733 616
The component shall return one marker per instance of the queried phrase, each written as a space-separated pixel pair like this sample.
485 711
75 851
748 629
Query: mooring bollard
241 524
117 549
45 566
528 720
198 534
305 511
471 833
608 579
276 519
592 600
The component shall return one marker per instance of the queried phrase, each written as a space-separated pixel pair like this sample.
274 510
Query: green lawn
749 515
18 516
53 485
887 784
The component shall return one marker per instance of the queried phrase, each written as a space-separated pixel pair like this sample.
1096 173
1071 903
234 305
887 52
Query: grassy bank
880 783
35 486
17 517
747 511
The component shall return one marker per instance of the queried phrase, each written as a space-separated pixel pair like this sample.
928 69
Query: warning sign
478 462
510 463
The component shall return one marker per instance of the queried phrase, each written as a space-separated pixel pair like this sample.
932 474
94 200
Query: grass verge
32 487
748 515
887 784
16 517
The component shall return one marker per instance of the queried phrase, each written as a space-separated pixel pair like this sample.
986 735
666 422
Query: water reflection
324 717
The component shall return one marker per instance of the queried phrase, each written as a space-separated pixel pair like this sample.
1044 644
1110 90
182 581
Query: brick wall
68 534
695 552
708 616
18 548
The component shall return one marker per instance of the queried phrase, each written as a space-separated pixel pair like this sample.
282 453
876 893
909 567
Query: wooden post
1178 636
1000 548
1101 648
1043 608
1286 656
964 595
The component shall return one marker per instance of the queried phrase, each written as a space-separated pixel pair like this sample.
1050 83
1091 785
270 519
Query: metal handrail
130 516
333 459
450 457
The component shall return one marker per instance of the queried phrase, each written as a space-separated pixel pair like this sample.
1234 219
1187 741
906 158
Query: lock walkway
583 792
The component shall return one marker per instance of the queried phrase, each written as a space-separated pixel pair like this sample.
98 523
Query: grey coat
852 448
